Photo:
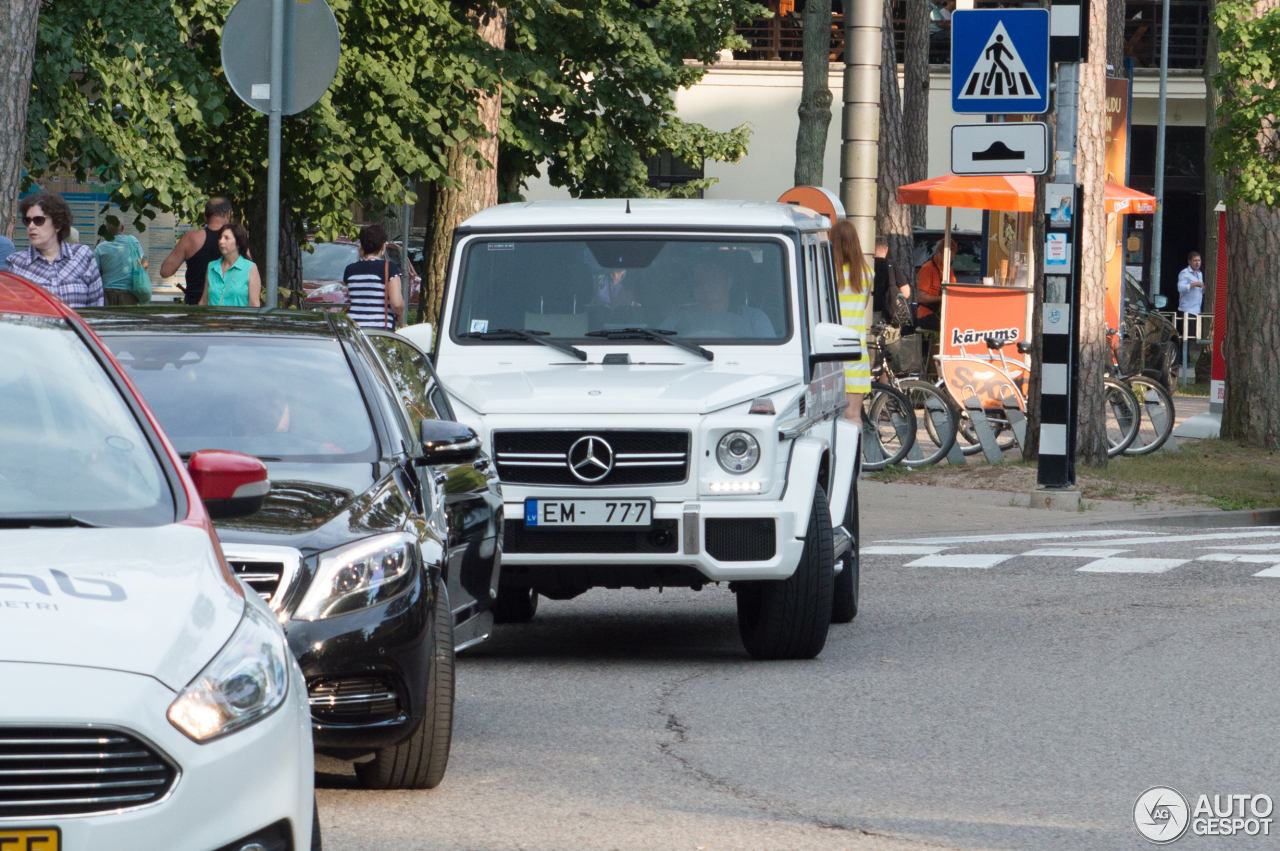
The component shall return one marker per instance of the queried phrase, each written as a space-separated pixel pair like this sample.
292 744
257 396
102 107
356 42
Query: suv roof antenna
628 205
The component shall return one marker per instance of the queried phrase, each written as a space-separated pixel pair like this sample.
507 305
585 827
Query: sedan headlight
738 452
358 576
244 683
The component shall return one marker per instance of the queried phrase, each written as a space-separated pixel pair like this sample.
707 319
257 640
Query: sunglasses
38 221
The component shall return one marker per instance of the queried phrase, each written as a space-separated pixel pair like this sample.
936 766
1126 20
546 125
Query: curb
1207 519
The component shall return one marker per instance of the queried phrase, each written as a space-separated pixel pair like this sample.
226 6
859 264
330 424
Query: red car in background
323 266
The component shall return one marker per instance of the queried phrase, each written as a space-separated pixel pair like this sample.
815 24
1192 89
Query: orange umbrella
1012 192
1122 199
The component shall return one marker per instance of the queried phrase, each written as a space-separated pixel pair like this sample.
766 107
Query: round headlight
738 452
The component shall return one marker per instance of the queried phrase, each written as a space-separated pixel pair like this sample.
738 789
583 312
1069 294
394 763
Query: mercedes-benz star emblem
590 458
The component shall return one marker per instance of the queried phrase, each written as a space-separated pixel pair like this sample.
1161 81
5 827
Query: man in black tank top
199 248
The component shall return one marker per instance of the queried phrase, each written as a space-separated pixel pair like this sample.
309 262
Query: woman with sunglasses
65 269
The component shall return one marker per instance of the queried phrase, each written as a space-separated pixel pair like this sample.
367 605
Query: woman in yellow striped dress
855 309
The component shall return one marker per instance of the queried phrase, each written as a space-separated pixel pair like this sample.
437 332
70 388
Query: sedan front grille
360 700
62 771
640 457
262 576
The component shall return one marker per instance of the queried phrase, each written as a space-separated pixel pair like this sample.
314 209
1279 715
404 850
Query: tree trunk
893 220
1215 188
815 94
1091 433
18 21
915 97
1252 409
1115 36
476 186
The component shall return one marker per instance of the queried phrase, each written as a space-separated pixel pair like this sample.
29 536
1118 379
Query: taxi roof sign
1000 61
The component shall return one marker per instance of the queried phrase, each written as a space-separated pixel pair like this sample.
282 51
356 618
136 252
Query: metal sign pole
273 154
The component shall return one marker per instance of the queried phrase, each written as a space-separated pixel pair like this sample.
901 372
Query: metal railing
1202 326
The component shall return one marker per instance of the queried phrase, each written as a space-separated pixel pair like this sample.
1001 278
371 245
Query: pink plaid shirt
73 277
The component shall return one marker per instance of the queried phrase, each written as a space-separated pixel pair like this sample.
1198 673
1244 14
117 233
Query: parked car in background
353 549
967 261
149 701
323 266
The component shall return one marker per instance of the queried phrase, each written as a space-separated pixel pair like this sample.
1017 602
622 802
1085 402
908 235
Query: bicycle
931 407
888 427
967 376
1153 399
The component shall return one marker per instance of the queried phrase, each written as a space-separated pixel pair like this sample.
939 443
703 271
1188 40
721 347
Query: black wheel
1156 410
934 412
789 618
844 597
420 761
1120 408
315 827
515 605
888 427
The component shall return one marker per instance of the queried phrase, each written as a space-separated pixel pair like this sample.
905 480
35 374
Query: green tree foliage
1246 143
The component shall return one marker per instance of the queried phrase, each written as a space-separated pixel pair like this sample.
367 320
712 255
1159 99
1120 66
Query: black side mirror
447 442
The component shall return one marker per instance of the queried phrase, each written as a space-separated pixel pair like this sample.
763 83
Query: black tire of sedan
515 605
789 618
420 761
844 602
316 843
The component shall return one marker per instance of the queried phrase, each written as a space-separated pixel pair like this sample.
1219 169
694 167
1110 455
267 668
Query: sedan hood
149 601
697 388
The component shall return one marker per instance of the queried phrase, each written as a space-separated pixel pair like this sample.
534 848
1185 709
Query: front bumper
227 788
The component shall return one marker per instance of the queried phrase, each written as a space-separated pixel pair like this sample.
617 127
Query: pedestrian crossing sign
1000 61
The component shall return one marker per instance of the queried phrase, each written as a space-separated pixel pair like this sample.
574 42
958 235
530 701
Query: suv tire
789 618
420 761
844 603
515 605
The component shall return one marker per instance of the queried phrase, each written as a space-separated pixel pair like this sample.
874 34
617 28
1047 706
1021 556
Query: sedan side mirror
448 442
832 343
231 484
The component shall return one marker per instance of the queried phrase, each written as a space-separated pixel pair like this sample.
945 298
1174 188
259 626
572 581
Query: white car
148 700
659 384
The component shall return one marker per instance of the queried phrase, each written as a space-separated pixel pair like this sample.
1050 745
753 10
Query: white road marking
959 560
903 550
1031 536
1075 552
1272 546
1177 539
1270 572
1246 558
1131 565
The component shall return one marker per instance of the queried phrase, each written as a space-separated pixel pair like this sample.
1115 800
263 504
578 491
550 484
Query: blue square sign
1000 61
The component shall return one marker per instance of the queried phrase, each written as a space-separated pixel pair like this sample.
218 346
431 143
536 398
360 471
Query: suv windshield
281 399
71 446
706 290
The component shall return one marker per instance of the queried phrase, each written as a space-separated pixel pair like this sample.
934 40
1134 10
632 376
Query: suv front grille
61 771
640 457
363 700
261 576
741 539
663 537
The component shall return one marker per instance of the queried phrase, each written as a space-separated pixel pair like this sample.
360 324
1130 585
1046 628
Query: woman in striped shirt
855 284
373 283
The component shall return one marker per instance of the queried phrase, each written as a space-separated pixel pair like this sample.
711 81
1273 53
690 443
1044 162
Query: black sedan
378 543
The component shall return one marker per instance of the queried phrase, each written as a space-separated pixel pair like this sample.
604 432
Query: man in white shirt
1191 286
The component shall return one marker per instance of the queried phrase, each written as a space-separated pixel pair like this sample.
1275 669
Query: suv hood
697 388
149 601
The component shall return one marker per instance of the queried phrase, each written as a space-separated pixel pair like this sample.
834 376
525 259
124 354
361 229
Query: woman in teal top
234 282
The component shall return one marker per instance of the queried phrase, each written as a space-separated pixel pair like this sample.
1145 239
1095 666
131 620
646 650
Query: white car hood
697 388
147 601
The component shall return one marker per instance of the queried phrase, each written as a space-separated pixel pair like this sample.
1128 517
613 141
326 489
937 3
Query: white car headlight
738 452
358 576
244 683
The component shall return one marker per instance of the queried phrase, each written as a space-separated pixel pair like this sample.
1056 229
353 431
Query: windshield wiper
661 335
535 336
28 521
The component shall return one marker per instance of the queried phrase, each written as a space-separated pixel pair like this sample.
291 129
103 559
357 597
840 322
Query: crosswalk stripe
1177 539
1270 546
979 560
1131 565
1270 572
903 550
1029 536
1075 552
1247 558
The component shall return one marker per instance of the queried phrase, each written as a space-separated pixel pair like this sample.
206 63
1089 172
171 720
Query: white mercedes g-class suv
660 385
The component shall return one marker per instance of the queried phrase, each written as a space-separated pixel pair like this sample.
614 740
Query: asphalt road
1004 694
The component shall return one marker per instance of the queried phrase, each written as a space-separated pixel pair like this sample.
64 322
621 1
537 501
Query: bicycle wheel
1155 409
967 437
888 427
1120 408
938 418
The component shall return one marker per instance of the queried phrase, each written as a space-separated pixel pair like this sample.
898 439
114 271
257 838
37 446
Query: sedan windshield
703 289
281 399
328 260
69 445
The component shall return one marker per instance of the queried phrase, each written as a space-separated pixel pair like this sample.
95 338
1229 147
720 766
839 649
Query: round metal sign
312 47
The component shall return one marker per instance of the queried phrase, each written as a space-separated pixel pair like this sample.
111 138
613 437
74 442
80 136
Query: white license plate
557 513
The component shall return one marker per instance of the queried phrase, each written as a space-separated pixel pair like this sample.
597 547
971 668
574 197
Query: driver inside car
712 312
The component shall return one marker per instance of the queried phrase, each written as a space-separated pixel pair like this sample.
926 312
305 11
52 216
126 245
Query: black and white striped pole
1056 473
